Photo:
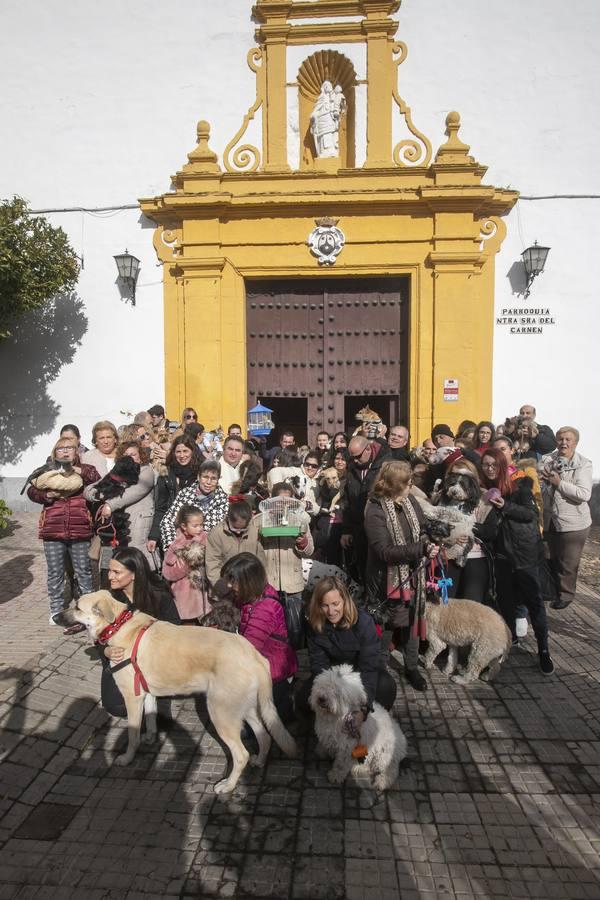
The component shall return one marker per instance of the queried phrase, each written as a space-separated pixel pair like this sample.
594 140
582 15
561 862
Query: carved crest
326 241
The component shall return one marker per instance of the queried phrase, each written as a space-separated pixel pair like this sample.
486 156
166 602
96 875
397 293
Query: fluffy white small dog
335 695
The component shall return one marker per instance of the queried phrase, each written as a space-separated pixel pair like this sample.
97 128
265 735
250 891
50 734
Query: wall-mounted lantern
534 260
129 267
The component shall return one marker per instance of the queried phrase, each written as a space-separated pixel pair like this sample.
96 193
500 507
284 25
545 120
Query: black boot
546 664
415 679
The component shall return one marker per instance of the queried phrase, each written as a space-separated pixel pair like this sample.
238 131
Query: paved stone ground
500 797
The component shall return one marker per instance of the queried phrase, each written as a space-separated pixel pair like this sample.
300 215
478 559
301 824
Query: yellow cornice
456 261
302 9
310 198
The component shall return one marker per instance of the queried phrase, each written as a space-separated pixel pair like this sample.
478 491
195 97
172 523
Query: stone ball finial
203 130
453 120
203 157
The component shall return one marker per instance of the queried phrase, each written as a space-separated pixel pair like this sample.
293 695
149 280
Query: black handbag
295 620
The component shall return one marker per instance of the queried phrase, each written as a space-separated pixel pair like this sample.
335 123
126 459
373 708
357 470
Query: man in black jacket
398 441
543 440
366 460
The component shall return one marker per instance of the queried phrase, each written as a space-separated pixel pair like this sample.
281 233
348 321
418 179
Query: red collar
106 634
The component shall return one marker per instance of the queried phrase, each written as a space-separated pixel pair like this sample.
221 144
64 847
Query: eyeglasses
489 465
359 456
190 416
311 465
144 434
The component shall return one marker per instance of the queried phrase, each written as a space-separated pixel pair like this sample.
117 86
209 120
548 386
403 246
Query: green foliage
5 512
36 262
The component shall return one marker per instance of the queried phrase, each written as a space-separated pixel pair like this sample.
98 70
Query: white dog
336 694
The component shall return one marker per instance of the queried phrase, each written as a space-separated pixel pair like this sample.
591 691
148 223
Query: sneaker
546 664
521 626
415 679
560 604
53 620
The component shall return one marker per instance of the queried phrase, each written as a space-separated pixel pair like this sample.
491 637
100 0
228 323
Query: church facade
335 257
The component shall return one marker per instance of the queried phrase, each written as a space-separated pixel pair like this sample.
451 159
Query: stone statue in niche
325 120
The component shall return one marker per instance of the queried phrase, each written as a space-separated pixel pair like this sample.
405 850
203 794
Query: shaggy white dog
336 694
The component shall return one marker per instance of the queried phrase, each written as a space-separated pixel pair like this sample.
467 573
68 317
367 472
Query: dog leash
439 584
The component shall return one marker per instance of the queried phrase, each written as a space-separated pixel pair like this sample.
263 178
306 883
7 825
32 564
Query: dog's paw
380 783
124 759
256 761
223 787
149 737
428 663
461 679
335 777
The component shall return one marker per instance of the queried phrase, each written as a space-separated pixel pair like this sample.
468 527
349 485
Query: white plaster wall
101 103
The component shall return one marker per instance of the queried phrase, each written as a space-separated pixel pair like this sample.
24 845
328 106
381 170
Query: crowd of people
162 513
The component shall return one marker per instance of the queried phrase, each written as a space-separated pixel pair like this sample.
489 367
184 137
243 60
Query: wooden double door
319 349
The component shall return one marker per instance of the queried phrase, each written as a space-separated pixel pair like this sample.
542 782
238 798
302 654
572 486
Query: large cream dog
460 623
336 694
178 660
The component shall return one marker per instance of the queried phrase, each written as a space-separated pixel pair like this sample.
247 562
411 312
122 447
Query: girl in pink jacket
262 622
184 566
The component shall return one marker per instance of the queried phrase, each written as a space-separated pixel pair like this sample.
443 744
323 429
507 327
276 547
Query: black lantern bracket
534 260
128 267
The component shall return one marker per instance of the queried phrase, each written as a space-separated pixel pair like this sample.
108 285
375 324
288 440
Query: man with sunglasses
366 460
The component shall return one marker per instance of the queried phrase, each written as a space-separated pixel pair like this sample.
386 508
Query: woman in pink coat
262 622
184 566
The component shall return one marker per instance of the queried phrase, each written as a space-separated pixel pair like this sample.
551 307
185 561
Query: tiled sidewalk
501 796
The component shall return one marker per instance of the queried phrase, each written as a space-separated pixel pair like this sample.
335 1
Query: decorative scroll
408 152
492 232
167 242
246 158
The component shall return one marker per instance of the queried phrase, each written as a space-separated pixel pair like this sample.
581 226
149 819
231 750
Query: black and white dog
452 515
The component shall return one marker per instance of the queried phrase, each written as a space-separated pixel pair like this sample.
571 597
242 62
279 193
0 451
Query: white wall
101 103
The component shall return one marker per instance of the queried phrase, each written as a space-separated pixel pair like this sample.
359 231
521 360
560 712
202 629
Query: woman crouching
262 622
339 633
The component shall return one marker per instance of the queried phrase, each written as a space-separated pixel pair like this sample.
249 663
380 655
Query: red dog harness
139 682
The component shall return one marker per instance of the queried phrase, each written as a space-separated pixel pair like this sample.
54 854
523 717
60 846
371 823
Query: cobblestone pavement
500 797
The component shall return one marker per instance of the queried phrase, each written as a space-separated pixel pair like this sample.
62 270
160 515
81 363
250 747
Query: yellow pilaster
378 29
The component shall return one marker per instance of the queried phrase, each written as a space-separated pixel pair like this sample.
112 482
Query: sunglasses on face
190 416
311 466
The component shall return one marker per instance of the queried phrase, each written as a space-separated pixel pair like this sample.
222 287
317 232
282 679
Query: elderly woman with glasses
206 494
566 488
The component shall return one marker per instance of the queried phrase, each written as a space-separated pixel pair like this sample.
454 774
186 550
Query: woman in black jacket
518 550
183 464
132 582
338 632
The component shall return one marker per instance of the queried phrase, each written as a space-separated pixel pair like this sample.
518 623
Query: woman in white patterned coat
206 495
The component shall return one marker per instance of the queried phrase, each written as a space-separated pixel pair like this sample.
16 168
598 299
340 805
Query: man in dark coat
366 460
398 441
543 440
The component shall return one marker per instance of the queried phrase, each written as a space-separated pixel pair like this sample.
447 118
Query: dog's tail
269 714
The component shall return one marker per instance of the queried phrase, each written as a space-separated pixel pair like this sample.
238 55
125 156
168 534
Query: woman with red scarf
518 549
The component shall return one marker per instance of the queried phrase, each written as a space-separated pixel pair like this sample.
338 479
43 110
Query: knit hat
441 429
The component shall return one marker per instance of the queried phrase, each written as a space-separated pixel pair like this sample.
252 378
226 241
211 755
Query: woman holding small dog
518 550
338 632
394 523
566 487
65 523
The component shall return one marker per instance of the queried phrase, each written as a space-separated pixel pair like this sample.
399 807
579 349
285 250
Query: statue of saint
325 120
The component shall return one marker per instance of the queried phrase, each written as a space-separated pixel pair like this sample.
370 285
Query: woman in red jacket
262 622
65 524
